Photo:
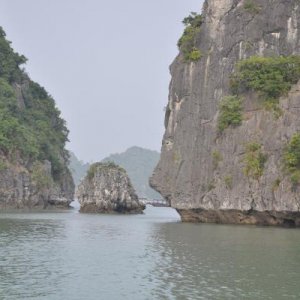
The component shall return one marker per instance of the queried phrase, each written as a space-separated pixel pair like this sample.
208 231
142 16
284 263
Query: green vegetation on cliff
254 160
31 128
216 158
291 158
15 138
271 77
230 112
10 61
228 180
251 7
103 166
186 43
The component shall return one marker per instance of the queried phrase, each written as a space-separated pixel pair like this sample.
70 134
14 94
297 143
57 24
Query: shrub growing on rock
194 55
228 180
291 158
100 166
230 112
271 77
216 158
186 43
254 160
251 7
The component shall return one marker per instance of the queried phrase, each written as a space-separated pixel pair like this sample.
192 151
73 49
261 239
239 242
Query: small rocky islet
108 189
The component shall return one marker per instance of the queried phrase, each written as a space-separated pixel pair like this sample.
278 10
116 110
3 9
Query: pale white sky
104 62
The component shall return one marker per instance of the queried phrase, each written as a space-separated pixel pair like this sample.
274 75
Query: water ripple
152 256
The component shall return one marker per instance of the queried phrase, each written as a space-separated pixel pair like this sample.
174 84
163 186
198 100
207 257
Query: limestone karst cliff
203 170
33 160
107 189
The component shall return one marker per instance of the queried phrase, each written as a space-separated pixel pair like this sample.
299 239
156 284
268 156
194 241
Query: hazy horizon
104 63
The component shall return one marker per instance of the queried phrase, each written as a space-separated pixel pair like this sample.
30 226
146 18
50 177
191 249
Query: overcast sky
104 62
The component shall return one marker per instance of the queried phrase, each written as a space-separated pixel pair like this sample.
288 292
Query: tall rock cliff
33 159
202 171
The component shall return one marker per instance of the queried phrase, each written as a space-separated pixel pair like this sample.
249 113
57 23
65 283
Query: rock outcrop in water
107 189
203 172
33 160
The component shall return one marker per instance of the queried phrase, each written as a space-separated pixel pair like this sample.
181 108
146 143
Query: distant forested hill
139 164
78 168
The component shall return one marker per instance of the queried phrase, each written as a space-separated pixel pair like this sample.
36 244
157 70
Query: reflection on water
152 256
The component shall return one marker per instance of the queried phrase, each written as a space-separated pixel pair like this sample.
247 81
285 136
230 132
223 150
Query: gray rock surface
33 187
186 174
107 189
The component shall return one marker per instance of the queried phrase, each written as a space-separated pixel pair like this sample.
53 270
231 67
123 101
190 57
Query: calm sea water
153 256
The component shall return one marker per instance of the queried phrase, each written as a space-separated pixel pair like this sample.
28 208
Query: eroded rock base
265 218
95 209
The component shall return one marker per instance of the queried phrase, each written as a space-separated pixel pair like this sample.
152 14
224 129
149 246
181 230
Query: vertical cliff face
189 174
